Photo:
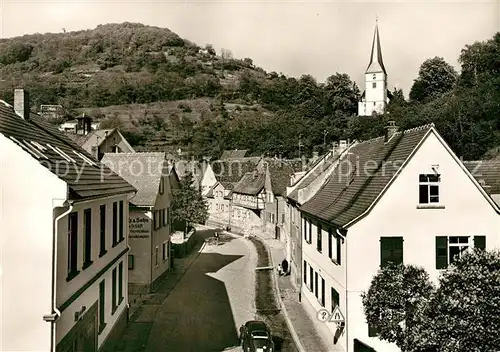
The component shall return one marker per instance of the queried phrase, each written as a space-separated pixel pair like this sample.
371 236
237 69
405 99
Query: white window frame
466 247
430 184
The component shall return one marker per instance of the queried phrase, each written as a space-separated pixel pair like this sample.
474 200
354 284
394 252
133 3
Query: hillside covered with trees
158 87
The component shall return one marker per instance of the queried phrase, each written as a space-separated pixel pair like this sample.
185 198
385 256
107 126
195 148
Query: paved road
214 297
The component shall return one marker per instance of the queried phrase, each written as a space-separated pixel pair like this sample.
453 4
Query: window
115 223
391 250
87 222
164 223
316 284
72 245
319 238
154 219
160 218
330 244
305 272
322 292
113 291
120 283
165 251
162 185
102 306
282 218
449 249
305 229
374 76
374 85
310 233
130 262
335 298
311 278
157 250
429 188
121 215
102 225
272 218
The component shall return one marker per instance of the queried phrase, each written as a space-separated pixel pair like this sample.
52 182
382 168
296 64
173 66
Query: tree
188 205
435 77
465 310
394 303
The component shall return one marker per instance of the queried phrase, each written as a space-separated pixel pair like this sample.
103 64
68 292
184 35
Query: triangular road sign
337 316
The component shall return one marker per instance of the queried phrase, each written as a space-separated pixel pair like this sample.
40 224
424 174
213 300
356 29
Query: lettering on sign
139 225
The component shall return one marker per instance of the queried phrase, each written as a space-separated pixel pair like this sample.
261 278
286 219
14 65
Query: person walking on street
284 266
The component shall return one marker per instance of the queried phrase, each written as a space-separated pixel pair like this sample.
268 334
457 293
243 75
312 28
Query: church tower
375 95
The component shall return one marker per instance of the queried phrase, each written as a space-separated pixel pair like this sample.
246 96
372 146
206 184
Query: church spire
376 64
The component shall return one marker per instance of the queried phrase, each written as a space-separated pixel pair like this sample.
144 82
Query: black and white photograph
249 176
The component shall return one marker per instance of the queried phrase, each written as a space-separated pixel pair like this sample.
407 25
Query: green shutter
397 247
480 242
441 252
385 250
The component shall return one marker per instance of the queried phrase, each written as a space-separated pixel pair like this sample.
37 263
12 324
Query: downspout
52 317
346 291
152 229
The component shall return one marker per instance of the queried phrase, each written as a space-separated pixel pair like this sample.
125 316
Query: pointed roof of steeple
376 64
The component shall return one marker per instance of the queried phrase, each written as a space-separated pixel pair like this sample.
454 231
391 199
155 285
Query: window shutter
480 242
339 250
397 254
385 250
335 297
330 244
441 252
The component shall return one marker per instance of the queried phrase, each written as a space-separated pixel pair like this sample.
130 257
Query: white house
100 142
404 198
64 239
149 215
375 97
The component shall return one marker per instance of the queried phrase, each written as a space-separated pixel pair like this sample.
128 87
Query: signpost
336 316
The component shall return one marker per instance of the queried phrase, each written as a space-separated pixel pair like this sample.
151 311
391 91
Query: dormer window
374 76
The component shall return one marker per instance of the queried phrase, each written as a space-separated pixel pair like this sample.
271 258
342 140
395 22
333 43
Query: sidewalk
299 321
136 333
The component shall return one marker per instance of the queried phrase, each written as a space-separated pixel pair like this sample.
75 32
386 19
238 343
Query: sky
292 37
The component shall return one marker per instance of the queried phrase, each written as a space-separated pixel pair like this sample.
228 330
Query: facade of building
219 205
389 199
301 190
375 97
248 199
100 142
149 215
72 232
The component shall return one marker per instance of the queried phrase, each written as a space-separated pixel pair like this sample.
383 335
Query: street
204 310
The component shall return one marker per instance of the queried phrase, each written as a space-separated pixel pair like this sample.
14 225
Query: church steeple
376 64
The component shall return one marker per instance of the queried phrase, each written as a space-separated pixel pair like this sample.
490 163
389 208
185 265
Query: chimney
22 103
390 129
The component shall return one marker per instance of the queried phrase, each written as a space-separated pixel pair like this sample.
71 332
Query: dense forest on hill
163 90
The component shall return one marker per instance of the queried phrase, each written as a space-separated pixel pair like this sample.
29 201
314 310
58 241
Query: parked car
256 336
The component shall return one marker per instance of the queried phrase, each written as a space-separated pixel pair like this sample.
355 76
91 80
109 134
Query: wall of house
465 212
83 289
140 227
219 207
161 236
332 270
208 179
296 246
113 139
246 220
26 248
